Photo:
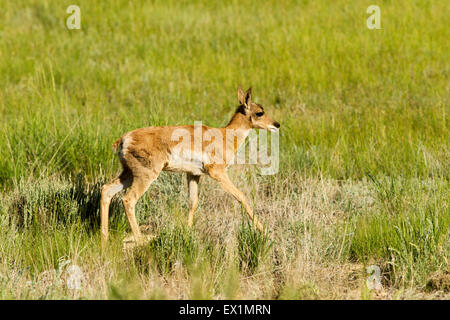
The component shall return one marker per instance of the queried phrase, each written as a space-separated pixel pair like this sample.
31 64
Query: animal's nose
276 124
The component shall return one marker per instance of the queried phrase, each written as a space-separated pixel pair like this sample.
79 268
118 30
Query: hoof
129 242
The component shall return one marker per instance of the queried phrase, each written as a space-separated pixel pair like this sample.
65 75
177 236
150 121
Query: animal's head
254 112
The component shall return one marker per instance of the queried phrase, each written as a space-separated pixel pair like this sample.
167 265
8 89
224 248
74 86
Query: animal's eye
259 114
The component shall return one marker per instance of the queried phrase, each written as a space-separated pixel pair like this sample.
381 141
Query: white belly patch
186 163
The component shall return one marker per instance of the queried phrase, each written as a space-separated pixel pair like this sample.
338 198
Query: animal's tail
116 145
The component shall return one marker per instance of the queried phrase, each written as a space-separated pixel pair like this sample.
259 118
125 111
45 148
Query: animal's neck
239 127
239 121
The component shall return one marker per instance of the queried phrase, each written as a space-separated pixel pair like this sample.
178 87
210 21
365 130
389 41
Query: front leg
222 178
192 181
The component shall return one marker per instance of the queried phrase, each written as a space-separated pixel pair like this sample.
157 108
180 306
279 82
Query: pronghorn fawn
145 152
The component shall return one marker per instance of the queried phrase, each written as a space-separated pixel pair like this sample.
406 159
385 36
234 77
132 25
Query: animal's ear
244 98
248 96
241 95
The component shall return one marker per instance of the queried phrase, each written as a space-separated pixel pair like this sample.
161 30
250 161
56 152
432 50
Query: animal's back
157 145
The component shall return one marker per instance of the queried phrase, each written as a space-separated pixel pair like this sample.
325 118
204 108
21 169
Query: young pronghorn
145 152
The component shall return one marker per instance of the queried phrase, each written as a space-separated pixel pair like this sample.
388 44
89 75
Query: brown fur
145 152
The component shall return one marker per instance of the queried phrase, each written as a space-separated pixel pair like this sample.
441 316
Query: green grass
173 246
364 146
409 232
253 247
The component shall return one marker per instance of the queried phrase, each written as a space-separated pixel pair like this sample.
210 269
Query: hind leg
141 181
108 192
193 196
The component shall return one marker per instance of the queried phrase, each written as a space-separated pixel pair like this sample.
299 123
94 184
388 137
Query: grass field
364 148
